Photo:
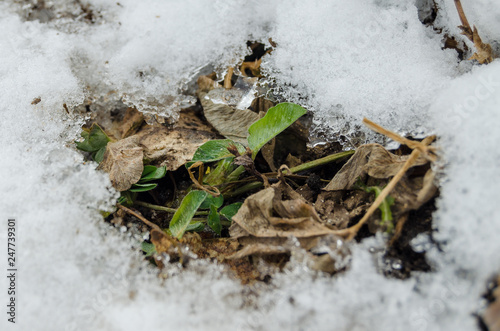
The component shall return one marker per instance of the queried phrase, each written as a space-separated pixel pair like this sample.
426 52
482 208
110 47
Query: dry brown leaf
230 122
132 121
256 218
373 160
123 162
484 53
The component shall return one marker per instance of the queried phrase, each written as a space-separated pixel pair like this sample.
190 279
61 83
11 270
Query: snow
343 61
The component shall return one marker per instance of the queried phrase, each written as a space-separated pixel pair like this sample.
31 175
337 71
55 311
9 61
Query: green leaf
277 119
211 200
148 248
195 226
230 210
213 220
185 212
94 140
142 187
215 150
152 173
385 206
127 198
219 175
99 155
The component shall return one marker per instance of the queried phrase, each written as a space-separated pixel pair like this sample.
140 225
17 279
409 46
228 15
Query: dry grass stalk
484 52
139 216
418 149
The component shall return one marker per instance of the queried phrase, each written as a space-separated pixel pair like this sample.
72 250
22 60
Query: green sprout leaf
152 173
277 119
142 187
95 140
195 226
213 220
148 248
185 212
385 206
99 155
215 150
211 200
230 210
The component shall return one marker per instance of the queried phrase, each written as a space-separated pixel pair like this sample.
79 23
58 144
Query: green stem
302 167
162 208
320 162
235 174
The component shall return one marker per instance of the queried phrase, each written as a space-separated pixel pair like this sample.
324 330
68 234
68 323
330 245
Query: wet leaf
213 220
215 150
185 212
230 210
277 119
123 161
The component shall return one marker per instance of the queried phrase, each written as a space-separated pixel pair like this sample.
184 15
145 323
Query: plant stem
320 162
302 167
162 208
233 176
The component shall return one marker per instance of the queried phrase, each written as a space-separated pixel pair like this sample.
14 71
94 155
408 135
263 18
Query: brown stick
227 79
351 232
463 19
139 216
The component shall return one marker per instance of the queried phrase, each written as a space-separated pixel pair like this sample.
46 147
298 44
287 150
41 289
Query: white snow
344 61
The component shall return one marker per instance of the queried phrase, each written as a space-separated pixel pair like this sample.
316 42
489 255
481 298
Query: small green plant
224 152
95 141
385 206
149 174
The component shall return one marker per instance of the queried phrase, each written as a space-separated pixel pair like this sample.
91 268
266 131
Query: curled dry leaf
229 121
123 162
266 224
373 160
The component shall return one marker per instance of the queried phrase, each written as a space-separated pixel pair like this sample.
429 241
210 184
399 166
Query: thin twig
139 216
227 79
465 23
351 232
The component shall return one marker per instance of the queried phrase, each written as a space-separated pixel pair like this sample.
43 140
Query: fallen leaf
373 160
230 122
123 161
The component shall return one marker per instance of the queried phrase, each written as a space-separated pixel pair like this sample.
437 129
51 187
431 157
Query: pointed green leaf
215 150
185 212
277 119
213 220
211 200
230 210
142 187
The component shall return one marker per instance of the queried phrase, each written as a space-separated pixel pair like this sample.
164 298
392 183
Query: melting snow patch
344 61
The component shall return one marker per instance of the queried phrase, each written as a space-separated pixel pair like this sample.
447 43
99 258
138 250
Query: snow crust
343 61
